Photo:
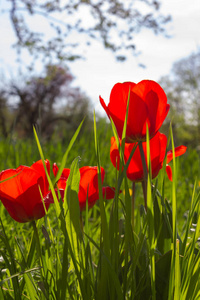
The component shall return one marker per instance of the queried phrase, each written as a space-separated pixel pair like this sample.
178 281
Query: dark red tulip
147 106
88 186
158 145
20 194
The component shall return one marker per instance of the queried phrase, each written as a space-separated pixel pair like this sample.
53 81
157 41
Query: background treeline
182 87
48 102
56 108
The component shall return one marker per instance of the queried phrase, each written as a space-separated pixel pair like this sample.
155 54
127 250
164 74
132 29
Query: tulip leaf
10 177
103 282
72 213
163 266
162 230
48 177
19 274
64 159
71 202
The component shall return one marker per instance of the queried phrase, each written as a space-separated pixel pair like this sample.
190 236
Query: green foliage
46 101
55 40
183 91
109 251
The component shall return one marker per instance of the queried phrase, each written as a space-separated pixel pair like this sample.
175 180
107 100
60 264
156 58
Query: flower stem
133 205
81 222
144 188
144 182
39 252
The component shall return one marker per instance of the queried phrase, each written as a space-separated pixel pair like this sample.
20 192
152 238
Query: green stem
81 222
145 170
133 205
144 188
39 252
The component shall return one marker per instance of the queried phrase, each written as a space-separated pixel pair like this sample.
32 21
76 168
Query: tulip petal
88 186
108 192
144 87
18 213
118 99
158 145
89 182
55 169
137 117
169 172
153 104
21 194
61 184
147 106
114 154
117 106
65 173
104 106
156 100
135 168
180 150
49 197
135 171
39 168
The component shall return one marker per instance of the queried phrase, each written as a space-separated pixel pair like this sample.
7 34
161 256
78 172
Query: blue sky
99 72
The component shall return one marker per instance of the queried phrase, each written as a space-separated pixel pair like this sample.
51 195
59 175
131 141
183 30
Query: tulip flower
21 189
158 145
88 186
178 151
147 106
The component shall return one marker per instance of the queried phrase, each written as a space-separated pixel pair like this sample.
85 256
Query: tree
68 24
4 115
182 87
42 101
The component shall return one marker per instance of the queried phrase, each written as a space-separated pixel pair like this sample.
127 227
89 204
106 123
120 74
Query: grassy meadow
102 253
15 152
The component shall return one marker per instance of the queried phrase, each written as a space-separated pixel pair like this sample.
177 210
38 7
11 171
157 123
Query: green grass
14 152
103 253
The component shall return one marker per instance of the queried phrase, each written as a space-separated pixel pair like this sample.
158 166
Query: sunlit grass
111 251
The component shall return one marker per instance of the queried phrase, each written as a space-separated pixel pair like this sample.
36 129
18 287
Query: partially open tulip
147 106
20 191
88 186
158 145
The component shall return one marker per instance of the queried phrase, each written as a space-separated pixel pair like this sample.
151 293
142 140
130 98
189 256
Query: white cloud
100 71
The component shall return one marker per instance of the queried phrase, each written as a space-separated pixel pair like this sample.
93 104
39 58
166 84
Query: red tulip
178 151
21 194
158 145
147 105
88 186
